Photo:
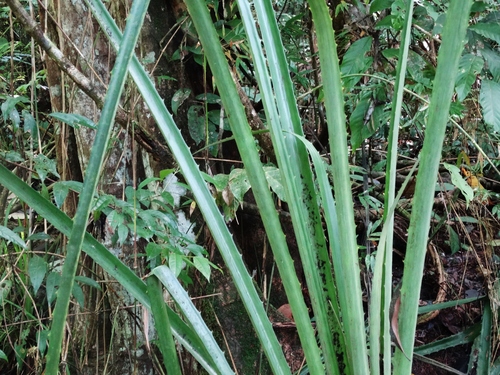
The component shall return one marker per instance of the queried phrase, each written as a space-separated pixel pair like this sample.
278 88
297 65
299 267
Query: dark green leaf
39 236
355 61
454 240
378 5
88 281
52 283
78 294
488 30
385 22
37 268
30 124
61 190
196 123
469 66
359 131
41 340
492 62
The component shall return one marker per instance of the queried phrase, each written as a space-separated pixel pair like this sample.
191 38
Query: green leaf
355 61
175 263
10 236
9 106
122 234
196 123
162 326
39 236
193 316
273 176
37 268
488 30
209 98
378 5
488 98
179 97
459 182
41 340
78 294
468 67
88 281
45 166
3 355
417 67
30 125
62 188
359 132
493 62
203 265
51 285
73 119
454 240
238 183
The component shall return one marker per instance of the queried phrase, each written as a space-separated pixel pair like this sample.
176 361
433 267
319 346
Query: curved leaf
488 98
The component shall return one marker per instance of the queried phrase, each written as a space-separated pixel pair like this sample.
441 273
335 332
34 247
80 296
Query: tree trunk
107 335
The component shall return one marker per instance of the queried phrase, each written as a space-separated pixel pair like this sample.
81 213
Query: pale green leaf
459 182
73 119
179 97
11 236
203 265
37 268
273 176
3 355
238 183
488 98
45 166
175 263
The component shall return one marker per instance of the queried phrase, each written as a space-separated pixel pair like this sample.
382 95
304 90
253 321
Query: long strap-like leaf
349 287
206 203
449 54
119 73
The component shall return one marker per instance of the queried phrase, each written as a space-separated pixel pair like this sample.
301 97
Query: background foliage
239 130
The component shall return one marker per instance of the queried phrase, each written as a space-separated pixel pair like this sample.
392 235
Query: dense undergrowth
459 297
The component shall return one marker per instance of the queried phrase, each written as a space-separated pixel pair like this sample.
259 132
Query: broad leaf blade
488 98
